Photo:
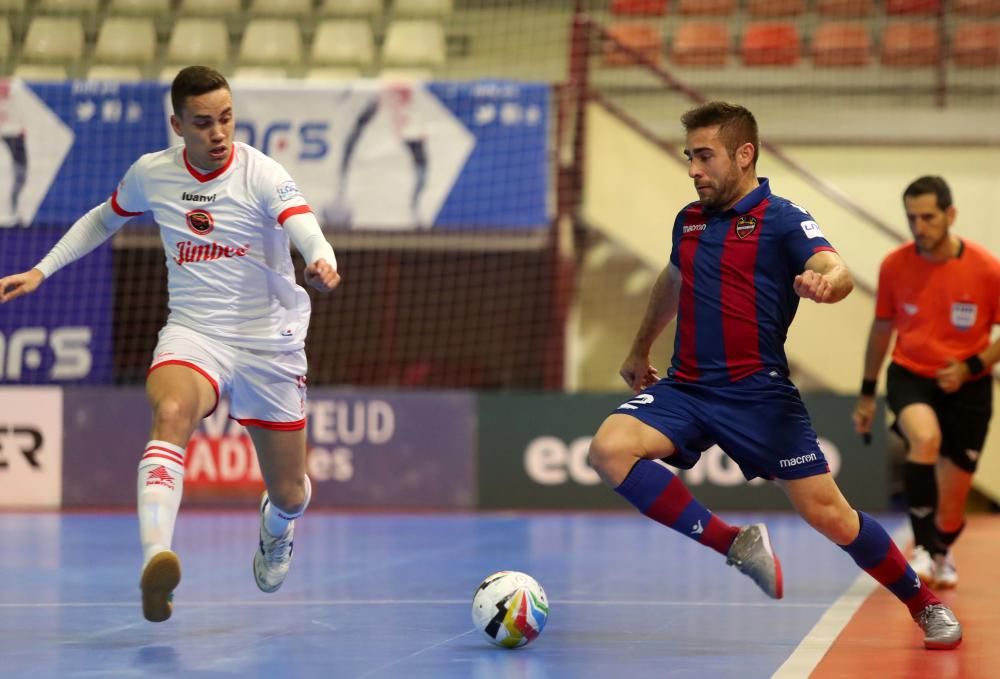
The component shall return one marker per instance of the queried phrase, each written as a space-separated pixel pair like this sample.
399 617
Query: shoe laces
935 617
276 550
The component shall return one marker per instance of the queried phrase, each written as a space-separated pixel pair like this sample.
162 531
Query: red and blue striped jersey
736 298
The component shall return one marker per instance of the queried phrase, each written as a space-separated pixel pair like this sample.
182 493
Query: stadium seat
198 41
422 8
126 40
699 43
775 8
346 41
845 8
146 7
332 73
8 7
259 73
646 8
976 44
368 8
712 7
911 44
40 72
5 40
210 7
53 39
405 75
281 8
841 43
414 42
912 6
643 38
771 43
68 6
267 42
114 72
976 7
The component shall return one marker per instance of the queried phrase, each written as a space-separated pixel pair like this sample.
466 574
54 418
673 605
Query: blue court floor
388 595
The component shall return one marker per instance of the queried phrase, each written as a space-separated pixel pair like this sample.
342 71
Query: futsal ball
510 609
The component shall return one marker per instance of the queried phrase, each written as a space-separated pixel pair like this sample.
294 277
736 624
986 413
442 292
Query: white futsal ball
510 608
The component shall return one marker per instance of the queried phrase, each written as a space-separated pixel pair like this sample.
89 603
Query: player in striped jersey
237 322
741 259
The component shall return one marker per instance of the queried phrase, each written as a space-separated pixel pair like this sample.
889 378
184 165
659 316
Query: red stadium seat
700 43
776 8
976 44
771 43
912 6
643 38
976 7
648 8
847 8
911 44
841 43
712 7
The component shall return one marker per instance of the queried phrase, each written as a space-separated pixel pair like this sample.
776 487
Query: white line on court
814 646
416 602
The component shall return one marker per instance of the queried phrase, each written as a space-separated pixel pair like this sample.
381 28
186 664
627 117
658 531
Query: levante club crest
745 225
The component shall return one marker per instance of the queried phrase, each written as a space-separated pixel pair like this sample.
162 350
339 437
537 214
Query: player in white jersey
237 320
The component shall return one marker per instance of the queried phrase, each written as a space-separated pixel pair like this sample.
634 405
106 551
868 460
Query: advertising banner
366 449
366 154
533 455
61 333
31 439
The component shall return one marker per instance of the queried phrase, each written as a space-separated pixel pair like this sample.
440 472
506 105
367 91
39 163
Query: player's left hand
322 276
814 286
951 377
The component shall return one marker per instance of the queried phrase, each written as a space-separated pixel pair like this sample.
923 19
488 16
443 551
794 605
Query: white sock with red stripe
160 486
276 519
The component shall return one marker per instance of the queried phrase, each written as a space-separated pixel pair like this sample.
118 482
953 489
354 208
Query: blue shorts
760 422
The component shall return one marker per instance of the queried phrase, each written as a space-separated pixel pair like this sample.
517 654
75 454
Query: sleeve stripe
119 210
823 248
289 212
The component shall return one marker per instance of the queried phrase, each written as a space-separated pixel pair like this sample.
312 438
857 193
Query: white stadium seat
114 72
332 73
210 7
423 8
198 41
271 41
146 7
414 42
368 8
126 40
259 73
285 8
348 41
68 6
40 72
53 39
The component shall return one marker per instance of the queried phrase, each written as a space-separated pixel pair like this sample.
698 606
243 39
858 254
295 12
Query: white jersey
230 273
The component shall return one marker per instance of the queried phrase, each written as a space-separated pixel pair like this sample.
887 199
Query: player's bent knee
924 449
173 415
289 497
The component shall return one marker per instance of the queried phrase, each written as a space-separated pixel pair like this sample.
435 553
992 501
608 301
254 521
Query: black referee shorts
964 416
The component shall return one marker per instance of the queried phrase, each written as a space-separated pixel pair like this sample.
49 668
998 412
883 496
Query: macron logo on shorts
640 400
794 461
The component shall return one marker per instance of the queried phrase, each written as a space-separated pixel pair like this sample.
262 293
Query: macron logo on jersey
688 228
187 251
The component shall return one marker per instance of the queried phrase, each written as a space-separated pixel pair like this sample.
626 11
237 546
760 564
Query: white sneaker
923 565
273 556
945 574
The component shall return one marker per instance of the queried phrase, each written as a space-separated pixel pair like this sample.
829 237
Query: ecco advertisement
31 437
533 455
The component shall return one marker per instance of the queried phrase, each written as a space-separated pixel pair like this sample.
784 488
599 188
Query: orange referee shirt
939 311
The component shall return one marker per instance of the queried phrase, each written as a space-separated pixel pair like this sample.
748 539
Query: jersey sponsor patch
288 190
963 315
811 229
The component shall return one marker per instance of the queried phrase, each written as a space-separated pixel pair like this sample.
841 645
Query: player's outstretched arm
15 285
307 236
825 279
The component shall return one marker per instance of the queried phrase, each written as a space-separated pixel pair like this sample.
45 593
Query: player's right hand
15 285
638 373
864 413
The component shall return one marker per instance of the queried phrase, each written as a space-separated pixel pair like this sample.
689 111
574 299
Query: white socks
160 486
276 520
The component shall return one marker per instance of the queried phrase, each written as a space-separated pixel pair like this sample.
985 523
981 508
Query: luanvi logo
198 198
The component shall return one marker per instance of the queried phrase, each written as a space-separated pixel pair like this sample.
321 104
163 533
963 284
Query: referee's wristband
868 387
975 365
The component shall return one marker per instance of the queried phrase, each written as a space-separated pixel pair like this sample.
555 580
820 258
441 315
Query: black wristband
868 387
975 365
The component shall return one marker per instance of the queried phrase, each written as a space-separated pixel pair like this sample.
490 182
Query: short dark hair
737 126
930 184
192 81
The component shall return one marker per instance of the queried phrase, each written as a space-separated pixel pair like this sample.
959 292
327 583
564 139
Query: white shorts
266 389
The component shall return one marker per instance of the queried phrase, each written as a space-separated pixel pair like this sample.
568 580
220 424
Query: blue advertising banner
60 334
367 448
373 155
